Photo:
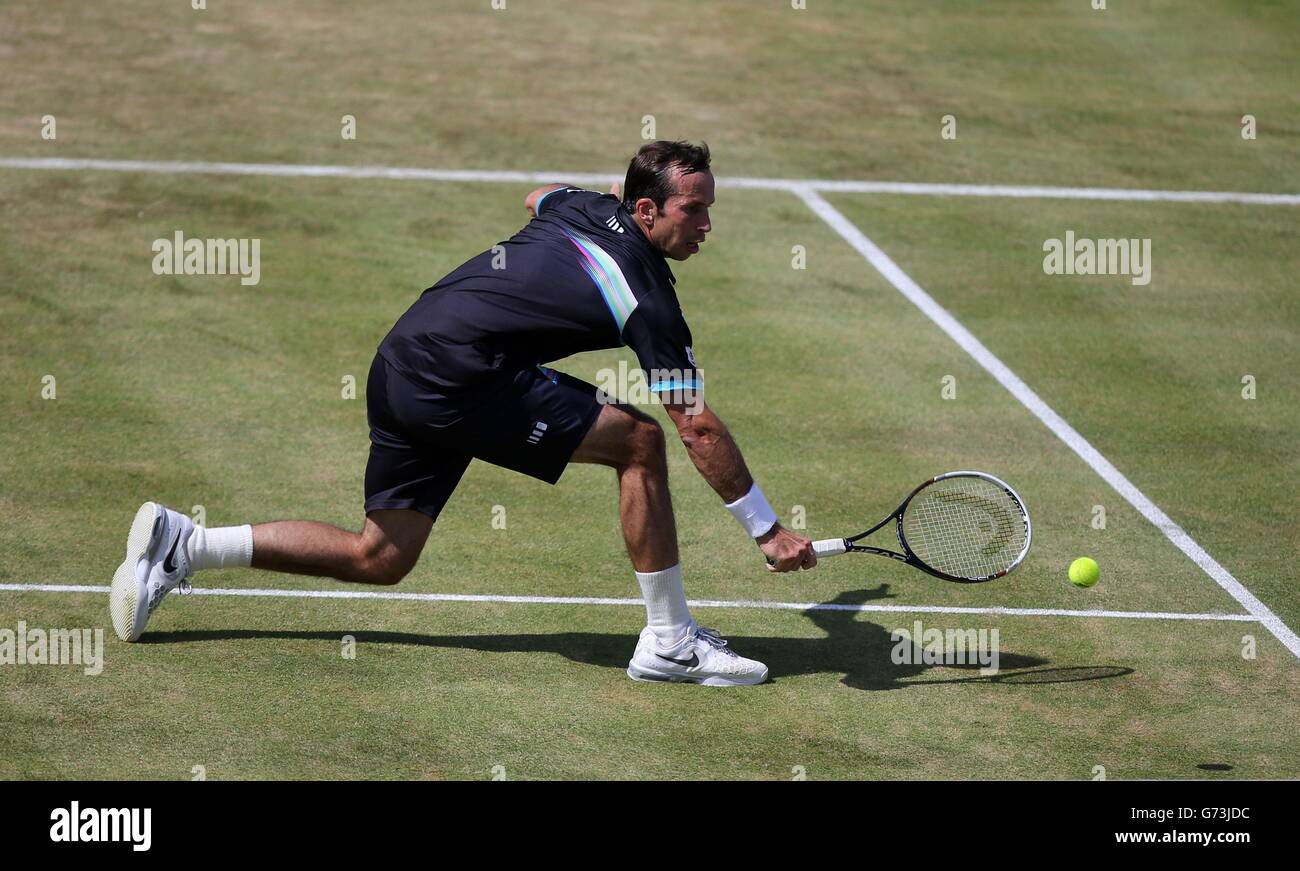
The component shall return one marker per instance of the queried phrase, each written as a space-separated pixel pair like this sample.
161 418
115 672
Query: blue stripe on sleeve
664 386
538 207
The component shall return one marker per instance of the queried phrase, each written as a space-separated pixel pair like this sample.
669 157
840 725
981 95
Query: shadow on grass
859 650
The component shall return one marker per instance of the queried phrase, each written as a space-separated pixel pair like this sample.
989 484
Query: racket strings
965 527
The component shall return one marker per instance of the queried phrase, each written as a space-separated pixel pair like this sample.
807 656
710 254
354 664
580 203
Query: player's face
682 224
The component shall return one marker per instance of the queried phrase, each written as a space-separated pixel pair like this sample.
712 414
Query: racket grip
830 547
825 547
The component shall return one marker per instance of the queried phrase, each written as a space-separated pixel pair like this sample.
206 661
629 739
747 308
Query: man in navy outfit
462 375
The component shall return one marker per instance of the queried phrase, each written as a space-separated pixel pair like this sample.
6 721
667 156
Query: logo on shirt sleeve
690 355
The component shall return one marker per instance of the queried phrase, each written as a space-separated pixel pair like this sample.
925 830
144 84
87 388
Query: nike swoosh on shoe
169 564
689 663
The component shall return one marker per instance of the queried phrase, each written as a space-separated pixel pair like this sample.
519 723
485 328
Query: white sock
665 604
220 548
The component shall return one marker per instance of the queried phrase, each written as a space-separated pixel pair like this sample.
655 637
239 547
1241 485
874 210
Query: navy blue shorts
530 423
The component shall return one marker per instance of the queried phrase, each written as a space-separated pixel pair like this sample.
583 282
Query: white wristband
752 512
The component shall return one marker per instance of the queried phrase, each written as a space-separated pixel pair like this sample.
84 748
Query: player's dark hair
649 173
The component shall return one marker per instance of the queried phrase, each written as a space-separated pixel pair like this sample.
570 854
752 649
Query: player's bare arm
716 455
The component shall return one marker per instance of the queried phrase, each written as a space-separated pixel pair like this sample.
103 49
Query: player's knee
384 567
388 572
646 445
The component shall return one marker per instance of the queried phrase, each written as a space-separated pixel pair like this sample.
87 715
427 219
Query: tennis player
462 376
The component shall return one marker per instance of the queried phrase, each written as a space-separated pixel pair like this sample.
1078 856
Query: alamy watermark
181 256
24 646
1071 256
636 386
921 646
91 824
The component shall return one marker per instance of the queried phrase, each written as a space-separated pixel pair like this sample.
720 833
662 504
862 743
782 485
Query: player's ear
646 209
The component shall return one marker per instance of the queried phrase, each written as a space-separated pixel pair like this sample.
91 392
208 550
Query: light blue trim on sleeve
538 208
665 386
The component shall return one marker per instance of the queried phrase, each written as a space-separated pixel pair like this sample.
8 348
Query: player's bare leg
383 552
632 443
672 647
164 548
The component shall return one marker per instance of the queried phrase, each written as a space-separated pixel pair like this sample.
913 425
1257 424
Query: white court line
695 603
1066 433
1044 192
770 184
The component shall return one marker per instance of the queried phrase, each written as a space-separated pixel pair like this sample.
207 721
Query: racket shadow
864 652
1071 674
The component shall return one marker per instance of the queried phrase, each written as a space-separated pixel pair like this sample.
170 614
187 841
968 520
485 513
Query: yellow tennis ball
1084 572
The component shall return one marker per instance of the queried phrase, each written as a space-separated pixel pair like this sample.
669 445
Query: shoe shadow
862 651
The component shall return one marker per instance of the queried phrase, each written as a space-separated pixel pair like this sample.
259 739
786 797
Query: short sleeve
658 334
551 199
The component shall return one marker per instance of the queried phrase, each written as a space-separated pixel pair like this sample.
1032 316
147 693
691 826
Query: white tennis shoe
156 563
702 657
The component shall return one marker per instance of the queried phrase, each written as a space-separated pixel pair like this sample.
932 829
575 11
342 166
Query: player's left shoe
701 657
156 563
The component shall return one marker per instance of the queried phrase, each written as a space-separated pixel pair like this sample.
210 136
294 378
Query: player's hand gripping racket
962 526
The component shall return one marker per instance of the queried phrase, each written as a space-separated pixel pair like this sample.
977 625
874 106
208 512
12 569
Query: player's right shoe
702 657
156 563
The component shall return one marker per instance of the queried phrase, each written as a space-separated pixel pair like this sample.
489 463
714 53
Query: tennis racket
962 526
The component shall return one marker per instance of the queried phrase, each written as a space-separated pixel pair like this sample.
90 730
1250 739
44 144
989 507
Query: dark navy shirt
580 276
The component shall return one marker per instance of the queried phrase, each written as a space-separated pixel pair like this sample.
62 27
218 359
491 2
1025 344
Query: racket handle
830 547
824 548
